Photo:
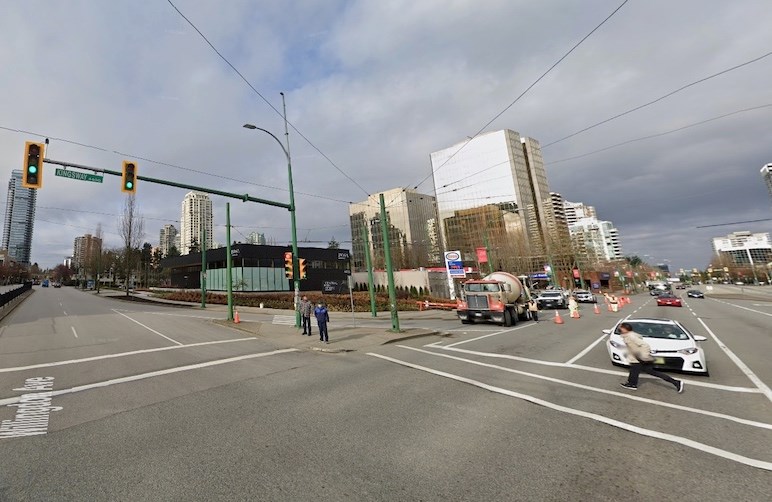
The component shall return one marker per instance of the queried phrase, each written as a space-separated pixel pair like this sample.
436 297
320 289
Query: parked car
583 296
552 300
57 284
672 345
694 293
668 299
657 292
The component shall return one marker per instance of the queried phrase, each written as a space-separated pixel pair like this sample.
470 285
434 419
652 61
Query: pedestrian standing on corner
640 359
305 307
533 308
322 318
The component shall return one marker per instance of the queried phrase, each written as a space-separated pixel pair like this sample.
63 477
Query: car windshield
657 330
481 288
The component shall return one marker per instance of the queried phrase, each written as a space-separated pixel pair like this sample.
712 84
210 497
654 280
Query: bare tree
131 226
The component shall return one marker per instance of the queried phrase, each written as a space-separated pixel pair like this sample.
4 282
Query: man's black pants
306 325
635 370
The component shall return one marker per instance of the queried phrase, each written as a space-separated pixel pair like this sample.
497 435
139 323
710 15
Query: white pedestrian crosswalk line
284 319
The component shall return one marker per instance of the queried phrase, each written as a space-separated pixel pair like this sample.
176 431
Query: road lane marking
496 333
120 354
143 376
752 423
761 464
744 308
147 327
750 390
582 353
763 388
74 332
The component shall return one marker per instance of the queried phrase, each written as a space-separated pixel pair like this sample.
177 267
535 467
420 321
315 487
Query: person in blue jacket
322 318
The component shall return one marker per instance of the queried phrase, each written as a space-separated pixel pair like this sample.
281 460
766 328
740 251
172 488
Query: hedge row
285 301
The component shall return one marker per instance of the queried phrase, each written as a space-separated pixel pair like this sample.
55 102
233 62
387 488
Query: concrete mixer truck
499 297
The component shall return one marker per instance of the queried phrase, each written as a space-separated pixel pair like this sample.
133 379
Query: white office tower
196 216
492 192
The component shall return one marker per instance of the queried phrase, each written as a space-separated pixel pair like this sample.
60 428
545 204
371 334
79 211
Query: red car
668 299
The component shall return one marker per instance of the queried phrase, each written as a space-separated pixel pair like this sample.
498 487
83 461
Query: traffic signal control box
32 174
288 265
129 177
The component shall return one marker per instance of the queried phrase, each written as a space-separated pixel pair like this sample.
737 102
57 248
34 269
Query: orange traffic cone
236 319
608 305
596 310
558 319
575 314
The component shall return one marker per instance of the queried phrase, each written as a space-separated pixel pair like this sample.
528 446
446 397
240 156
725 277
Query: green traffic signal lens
129 185
33 169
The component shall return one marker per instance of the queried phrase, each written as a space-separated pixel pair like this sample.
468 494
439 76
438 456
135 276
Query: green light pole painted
369 264
295 264
389 269
203 264
228 260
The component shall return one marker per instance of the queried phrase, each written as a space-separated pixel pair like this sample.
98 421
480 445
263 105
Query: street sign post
75 175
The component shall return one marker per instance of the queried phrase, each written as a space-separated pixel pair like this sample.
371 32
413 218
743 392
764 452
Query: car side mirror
606 331
699 338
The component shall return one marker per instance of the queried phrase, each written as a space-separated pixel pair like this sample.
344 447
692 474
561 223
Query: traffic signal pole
242 197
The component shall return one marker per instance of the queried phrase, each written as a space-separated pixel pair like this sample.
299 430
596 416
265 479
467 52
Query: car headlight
690 350
616 345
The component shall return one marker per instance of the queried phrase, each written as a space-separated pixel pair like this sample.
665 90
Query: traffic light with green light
129 177
32 174
288 265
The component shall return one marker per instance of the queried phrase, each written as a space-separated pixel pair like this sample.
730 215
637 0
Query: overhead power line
734 223
631 110
333 164
167 164
564 56
651 136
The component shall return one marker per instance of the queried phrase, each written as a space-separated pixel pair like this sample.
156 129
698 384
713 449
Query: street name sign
75 175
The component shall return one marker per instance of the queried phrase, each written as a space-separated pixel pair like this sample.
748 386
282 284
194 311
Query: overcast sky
375 87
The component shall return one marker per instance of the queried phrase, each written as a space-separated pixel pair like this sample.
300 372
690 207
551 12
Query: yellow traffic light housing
288 265
32 174
302 267
129 177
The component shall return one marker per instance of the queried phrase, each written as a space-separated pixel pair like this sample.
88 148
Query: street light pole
295 262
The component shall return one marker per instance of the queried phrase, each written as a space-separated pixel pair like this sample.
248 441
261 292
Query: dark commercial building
261 268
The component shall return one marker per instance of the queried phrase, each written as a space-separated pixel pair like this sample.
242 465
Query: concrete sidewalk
343 334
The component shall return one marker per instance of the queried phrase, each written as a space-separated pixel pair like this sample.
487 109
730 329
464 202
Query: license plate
659 360
478 314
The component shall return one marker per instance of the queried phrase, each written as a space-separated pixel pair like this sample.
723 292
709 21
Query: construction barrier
596 309
427 305
558 319
236 319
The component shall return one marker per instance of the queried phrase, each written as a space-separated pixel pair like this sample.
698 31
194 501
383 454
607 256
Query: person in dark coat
322 318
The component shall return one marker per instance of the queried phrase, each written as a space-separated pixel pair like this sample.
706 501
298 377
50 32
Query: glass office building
492 192
19 219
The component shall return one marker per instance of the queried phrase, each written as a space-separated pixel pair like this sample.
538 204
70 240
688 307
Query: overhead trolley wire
657 100
333 164
564 56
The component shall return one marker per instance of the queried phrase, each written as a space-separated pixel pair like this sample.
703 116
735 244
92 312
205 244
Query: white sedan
672 345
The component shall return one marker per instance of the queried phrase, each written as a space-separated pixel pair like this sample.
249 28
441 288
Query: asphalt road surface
108 400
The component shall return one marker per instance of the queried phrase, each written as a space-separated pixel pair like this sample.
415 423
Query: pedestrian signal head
32 174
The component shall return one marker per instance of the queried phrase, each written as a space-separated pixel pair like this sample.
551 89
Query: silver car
584 296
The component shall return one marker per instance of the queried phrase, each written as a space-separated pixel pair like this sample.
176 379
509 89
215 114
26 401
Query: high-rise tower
196 211
19 219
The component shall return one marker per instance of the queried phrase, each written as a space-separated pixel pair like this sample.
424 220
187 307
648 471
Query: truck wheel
507 318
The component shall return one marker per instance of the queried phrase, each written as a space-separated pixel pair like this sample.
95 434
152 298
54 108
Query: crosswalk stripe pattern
284 319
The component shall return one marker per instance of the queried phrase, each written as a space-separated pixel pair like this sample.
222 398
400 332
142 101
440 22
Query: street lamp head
250 126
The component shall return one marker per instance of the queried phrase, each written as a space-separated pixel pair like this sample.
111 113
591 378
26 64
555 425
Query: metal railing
9 296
